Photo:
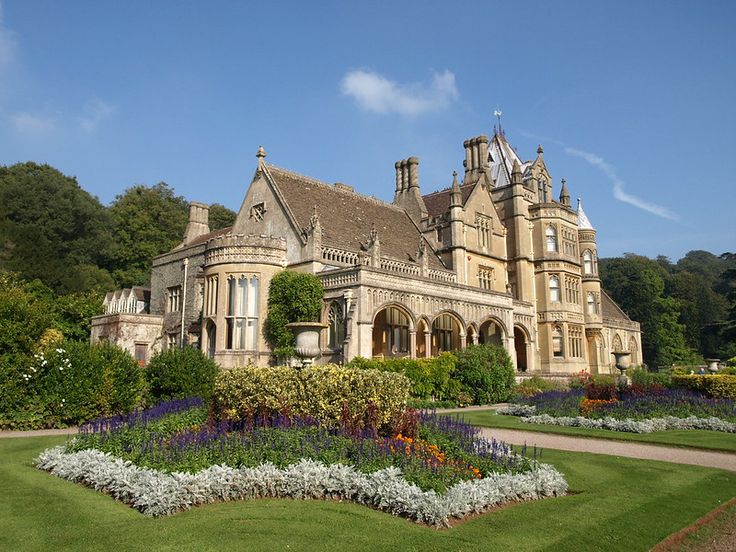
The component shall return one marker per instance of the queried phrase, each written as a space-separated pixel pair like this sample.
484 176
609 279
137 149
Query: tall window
575 337
558 347
172 340
336 322
551 239
242 312
587 262
483 225
174 294
569 242
592 303
485 277
554 289
572 290
211 296
542 190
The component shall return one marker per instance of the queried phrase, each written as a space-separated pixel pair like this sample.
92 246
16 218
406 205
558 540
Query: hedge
431 378
712 385
178 373
321 392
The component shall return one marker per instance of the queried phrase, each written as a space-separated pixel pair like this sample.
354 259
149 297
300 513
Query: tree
292 297
52 230
221 217
637 284
146 222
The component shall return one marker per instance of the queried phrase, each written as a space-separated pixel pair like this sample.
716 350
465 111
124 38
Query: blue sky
633 102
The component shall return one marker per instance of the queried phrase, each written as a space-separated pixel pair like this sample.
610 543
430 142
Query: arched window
542 190
554 288
336 322
445 334
551 239
592 303
587 262
558 343
242 313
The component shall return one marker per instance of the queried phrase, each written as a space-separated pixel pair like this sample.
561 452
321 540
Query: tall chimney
482 152
198 224
412 165
468 157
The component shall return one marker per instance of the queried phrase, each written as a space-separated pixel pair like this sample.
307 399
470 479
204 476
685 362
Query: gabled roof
439 202
206 237
347 217
610 309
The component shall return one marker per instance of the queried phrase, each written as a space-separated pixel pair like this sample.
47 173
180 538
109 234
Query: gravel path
711 459
39 432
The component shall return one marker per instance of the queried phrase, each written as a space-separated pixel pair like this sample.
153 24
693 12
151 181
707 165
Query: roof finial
540 151
497 114
261 155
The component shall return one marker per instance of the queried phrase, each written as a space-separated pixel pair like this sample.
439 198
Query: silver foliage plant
527 413
158 493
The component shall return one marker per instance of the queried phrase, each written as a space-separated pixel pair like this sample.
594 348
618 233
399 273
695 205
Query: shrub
535 385
71 383
646 380
601 388
486 373
431 378
179 373
579 380
320 392
714 386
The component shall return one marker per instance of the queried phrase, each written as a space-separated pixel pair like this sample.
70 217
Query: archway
491 333
520 345
424 345
391 332
445 334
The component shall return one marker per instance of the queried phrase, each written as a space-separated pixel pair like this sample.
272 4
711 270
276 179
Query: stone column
427 344
412 344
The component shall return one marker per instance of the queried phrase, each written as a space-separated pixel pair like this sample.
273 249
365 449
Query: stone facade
491 259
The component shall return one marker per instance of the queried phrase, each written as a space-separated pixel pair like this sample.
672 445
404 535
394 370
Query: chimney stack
476 155
407 194
198 224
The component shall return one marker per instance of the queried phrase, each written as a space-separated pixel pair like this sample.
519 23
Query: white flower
59 350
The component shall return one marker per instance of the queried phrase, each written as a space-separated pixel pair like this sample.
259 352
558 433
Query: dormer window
258 211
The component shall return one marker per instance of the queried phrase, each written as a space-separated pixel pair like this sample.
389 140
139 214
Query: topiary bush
321 392
486 373
179 373
292 297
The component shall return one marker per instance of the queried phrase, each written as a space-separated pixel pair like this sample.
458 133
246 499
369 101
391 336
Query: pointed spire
583 221
564 194
516 173
456 196
261 155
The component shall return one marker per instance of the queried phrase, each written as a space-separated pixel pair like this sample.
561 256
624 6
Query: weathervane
497 114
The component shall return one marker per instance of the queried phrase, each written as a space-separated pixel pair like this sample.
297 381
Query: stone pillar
412 344
463 341
427 343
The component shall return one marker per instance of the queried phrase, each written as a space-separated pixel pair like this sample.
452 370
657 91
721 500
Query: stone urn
623 361
712 364
307 340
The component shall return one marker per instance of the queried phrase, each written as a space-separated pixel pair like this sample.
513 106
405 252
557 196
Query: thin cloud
31 124
8 43
95 112
618 184
374 92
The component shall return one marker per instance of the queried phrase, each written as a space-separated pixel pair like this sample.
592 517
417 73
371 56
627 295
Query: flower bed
169 460
634 410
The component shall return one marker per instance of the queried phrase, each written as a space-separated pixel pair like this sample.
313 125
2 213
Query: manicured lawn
715 440
618 504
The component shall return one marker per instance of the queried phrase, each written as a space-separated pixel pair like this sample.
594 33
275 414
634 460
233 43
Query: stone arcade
491 259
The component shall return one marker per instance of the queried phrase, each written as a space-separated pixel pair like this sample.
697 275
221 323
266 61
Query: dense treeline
61 249
687 309
54 231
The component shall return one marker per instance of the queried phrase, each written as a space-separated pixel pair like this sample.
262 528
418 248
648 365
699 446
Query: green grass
695 438
618 504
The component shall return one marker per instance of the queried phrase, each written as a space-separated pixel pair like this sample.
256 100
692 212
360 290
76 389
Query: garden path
711 459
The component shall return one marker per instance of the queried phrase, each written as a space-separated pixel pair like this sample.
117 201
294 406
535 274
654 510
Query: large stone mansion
494 258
